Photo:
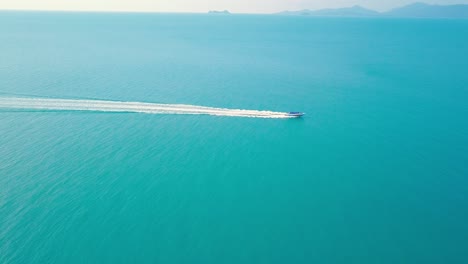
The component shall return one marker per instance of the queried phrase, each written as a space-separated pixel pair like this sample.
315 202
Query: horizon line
127 11
207 12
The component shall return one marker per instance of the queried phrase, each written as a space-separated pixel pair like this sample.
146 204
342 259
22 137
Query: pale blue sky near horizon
239 6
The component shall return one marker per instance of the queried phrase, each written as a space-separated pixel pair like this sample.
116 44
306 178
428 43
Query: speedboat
295 114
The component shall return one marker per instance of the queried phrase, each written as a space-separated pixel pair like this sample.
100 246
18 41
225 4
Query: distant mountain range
416 10
430 11
225 12
348 11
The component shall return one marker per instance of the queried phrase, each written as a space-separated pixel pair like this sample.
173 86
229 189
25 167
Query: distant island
416 10
430 11
348 11
225 12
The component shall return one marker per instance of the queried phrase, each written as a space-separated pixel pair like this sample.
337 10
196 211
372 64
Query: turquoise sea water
375 173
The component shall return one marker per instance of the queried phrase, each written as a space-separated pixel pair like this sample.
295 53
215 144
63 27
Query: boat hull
295 114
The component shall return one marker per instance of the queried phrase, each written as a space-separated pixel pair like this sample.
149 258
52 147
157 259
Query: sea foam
16 103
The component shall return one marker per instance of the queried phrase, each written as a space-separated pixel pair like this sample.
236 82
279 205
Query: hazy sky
244 6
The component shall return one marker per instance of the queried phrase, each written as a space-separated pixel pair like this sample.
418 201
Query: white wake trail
19 103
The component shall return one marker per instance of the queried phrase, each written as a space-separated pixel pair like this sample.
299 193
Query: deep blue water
375 173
